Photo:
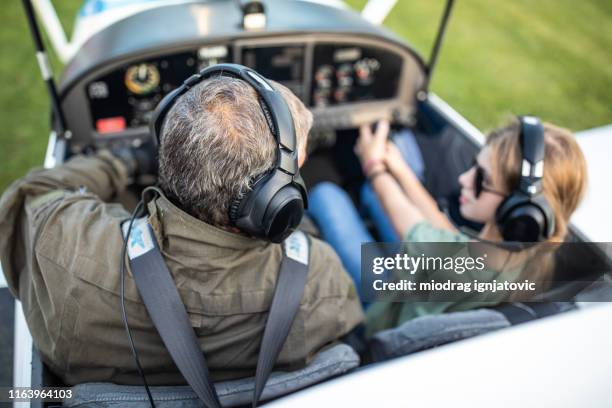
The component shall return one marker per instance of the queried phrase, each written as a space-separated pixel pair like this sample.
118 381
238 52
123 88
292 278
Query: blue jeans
343 228
372 207
340 225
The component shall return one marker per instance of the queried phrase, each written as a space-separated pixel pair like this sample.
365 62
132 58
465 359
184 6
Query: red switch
110 125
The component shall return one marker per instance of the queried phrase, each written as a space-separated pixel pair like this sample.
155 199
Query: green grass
25 111
552 58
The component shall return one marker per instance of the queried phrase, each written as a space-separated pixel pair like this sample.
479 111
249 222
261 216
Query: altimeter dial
142 79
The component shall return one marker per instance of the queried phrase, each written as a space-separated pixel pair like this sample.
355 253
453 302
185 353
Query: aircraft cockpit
347 70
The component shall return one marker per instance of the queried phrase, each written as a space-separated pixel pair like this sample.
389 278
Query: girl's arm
413 188
401 211
371 150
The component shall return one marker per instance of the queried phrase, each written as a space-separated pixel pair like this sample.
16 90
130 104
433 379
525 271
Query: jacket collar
170 223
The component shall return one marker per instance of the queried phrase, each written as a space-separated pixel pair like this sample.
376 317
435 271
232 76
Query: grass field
552 58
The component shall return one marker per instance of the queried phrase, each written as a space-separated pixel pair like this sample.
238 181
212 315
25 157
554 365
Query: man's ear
302 156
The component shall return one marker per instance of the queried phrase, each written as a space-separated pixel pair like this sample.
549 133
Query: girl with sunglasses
415 216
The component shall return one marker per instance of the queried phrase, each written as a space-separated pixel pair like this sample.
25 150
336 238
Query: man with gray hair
61 241
223 123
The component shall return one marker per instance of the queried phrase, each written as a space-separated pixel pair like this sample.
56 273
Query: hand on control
137 160
126 156
394 160
371 147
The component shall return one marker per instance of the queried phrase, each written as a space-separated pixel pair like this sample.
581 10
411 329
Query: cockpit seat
329 363
431 331
435 330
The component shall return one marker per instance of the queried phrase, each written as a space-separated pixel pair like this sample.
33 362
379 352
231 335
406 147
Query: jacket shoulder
327 273
322 256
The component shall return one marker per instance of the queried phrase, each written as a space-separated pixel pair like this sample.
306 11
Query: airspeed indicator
142 79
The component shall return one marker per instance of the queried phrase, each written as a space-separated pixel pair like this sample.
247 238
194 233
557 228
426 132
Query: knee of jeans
326 191
327 199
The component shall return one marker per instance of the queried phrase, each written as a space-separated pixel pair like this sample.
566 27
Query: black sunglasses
479 181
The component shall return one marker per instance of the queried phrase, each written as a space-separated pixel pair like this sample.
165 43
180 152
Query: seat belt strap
288 294
163 303
167 311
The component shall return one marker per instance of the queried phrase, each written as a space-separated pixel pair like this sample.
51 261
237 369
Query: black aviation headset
274 206
525 215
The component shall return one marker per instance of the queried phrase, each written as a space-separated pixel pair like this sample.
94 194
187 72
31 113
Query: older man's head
215 141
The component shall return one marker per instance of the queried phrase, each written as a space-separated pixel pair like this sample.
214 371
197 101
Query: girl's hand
394 159
371 148
397 166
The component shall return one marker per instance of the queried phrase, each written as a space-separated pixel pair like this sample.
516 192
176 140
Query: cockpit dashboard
345 70
322 74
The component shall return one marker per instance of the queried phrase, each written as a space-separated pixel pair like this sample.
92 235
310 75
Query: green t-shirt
385 315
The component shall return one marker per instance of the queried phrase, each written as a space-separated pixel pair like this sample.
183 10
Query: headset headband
275 109
532 151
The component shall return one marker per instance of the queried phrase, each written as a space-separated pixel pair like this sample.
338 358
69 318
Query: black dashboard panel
126 97
351 73
284 64
346 70
321 75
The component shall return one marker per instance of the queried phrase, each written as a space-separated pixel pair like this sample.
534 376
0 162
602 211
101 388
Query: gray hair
215 140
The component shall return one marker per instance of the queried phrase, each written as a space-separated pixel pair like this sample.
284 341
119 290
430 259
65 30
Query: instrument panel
322 75
284 64
344 74
347 71
126 97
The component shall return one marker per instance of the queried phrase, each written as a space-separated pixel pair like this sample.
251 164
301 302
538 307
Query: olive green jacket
60 247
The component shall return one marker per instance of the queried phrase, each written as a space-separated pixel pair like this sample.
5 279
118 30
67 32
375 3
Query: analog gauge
341 94
343 71
323 76
142 79
345 81
365 69
142 108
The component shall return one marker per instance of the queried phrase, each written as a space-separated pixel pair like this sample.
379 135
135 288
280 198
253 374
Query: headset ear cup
501 214
298 182
525 224
238 206
520 219
549 215
284 214
272 209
